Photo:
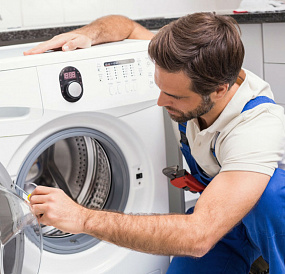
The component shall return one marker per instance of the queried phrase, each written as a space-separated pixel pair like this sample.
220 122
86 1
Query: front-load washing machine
87 122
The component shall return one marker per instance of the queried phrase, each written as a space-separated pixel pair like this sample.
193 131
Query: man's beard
202 109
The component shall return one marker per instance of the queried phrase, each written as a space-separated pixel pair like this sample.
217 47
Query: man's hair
205 46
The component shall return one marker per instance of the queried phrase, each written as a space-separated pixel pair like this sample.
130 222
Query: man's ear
220 92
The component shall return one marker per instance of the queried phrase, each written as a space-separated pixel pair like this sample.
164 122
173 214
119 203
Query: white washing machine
86 121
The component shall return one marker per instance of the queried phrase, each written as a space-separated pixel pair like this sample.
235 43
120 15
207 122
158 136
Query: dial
73 89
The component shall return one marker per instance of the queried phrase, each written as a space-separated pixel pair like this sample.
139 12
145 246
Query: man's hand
66 41
54 208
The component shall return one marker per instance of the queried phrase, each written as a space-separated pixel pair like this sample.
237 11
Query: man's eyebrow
171 95
174 96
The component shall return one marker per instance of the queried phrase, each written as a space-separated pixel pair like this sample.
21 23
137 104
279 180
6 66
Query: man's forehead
171 80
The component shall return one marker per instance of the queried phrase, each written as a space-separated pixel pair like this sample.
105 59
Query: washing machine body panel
118 109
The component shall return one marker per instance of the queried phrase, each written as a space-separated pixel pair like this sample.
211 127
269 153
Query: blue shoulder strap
196 171
257 101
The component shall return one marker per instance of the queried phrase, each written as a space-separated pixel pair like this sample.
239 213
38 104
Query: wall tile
10 12
83 11
227 6
42 13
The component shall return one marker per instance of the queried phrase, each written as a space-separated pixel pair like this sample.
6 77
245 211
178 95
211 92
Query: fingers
54 208
65 41
43 198
42 190
44 215
79 41
40 199
47 195
54 43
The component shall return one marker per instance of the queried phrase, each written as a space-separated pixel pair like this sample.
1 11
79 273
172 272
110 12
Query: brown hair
207 47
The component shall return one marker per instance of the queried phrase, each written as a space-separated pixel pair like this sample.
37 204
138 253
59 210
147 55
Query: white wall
10 12
223 6
28 14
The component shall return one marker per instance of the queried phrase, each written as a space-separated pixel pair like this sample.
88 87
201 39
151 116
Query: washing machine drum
20 232
89 167
77 165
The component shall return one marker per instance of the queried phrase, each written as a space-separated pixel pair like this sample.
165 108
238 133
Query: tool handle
188 182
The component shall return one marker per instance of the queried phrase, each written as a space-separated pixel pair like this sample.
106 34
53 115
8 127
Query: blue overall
261 232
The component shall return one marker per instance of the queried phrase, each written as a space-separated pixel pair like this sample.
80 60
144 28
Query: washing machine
87 122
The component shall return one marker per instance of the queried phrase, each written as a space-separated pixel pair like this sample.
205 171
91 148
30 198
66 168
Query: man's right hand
65 42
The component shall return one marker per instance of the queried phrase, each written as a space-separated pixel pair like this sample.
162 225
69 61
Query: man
236 144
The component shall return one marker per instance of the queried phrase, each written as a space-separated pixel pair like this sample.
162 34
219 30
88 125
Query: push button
74 89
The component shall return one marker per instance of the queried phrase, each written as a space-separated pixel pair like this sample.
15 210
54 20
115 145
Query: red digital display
69 75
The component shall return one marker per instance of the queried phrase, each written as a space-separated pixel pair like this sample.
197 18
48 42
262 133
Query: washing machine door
5 180
20 233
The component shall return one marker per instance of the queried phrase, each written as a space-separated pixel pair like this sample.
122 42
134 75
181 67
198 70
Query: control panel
98 82
119 76
124 75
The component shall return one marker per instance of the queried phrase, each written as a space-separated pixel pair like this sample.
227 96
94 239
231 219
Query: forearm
170 234
221 206
113 28
191 235
106 29
156 234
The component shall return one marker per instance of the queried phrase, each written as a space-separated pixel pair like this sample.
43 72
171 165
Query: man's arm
228 198
106 29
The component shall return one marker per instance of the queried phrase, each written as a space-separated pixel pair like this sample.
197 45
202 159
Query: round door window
89 167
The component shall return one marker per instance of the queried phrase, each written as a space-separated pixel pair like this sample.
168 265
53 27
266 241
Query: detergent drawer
20 98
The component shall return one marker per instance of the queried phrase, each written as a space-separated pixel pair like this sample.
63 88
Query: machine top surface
12 57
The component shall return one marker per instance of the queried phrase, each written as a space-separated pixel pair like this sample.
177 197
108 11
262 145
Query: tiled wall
225 6
28 14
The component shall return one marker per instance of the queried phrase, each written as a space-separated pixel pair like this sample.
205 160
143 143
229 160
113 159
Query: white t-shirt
250 141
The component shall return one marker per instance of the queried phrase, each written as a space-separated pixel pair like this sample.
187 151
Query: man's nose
162 100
